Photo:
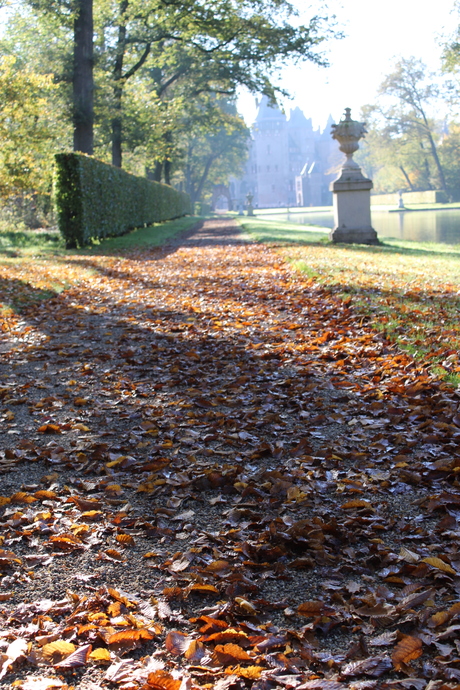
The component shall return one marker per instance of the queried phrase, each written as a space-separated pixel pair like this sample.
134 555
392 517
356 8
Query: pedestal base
352 208
354 235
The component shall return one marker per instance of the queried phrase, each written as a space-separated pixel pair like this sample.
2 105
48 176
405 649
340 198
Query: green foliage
402 149
26 129
214 140
96 200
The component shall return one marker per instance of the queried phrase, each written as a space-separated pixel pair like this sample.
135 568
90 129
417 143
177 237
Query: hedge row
96 200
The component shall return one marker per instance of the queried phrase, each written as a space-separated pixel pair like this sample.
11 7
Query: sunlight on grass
409 291
35 265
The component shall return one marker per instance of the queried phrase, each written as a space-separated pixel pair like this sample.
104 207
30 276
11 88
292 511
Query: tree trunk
83 86
434 152
204 177
116 127
167 169
155 174
442 179
427 173
117 86
407 178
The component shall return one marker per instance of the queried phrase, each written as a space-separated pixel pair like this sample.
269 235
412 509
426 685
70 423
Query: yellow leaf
58 650
80 427
100 654
439 564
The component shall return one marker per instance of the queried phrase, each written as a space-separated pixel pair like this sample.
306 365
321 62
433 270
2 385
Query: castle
289 164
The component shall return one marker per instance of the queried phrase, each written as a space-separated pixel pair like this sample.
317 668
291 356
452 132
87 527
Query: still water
421 226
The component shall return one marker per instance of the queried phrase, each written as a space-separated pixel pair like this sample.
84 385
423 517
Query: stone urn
249 206
348 133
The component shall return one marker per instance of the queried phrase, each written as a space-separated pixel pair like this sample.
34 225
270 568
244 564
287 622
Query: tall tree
393 155
79 15
83 82
222 46
412 92
214 147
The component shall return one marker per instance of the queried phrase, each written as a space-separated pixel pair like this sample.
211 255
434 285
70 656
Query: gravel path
199 431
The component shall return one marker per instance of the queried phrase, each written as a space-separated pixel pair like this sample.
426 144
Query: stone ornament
351 190
348 133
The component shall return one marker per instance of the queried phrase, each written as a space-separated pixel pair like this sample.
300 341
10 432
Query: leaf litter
215 474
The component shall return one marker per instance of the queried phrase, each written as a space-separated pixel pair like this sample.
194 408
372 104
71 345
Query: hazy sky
377 33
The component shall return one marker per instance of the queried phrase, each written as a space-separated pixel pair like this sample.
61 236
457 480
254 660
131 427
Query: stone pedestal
351 191
351 194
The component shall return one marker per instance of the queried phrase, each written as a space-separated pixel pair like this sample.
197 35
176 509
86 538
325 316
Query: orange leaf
249 672
85 503
357 503
50 429
125 539
65 542
228 635
46 495
161 680
114 609
22 497
226 654
204 589
127 637
408 649
116 555
94 515
77 658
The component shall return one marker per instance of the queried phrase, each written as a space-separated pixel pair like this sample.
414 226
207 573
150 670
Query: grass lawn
410 291
35 265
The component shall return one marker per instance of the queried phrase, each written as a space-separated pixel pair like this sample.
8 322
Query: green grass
273 231
153 236
291 209
409 291
26 243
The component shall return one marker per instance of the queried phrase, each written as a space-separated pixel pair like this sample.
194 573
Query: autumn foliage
216 474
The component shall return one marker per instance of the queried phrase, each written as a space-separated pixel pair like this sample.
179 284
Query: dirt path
214 474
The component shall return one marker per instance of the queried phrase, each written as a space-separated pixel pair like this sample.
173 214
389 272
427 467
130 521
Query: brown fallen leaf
311 609
227 654
177 642
407 649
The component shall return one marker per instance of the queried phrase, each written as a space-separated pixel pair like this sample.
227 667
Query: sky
376 34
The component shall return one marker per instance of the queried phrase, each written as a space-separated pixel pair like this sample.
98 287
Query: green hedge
96 200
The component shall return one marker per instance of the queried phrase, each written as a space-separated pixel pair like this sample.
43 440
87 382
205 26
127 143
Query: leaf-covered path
214 474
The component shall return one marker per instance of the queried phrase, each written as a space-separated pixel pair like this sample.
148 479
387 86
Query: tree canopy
159 75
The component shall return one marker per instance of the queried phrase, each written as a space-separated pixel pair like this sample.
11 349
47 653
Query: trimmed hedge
96 200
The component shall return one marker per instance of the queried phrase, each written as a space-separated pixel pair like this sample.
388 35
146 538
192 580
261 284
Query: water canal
421 226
